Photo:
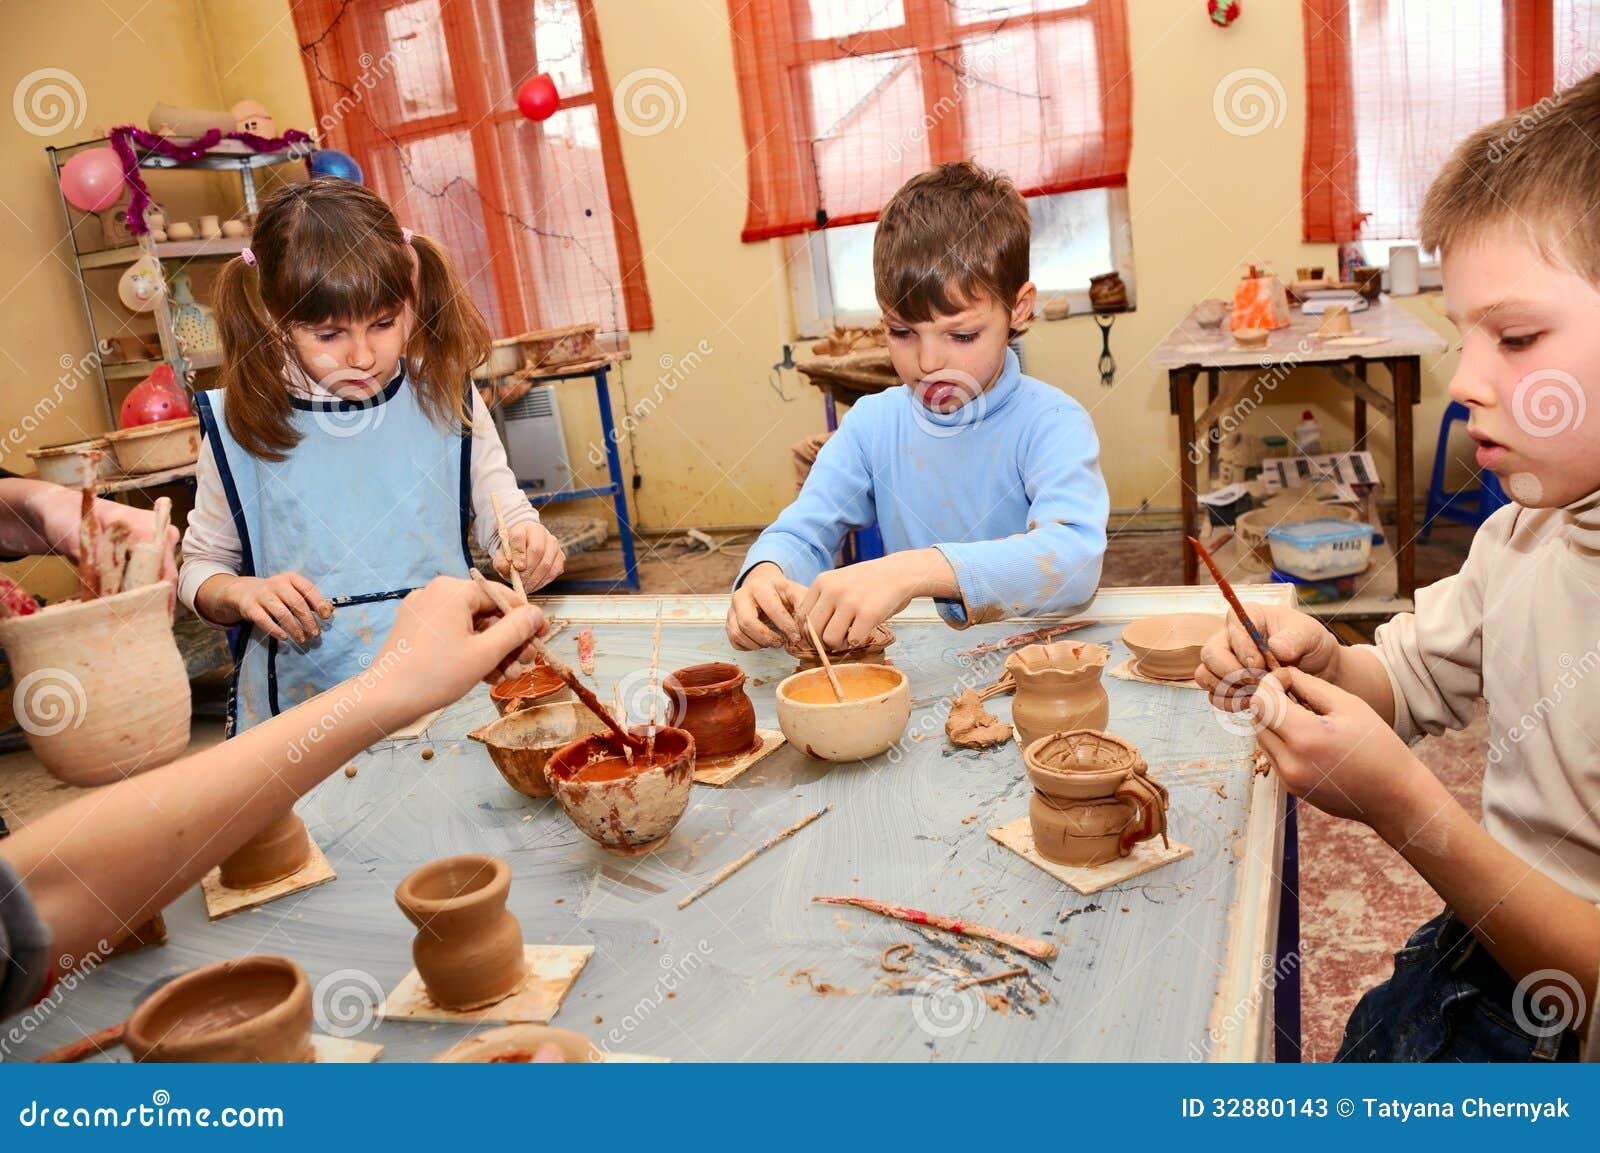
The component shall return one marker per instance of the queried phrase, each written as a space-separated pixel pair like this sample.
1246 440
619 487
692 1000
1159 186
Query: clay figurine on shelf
235 229
180 230
1092 798
210 227
193 323
252 116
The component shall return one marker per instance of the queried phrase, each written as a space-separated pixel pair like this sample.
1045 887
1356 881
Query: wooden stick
108 1038
505 543
1019 971
655 674
733 867
144 562
1042 950
1037 636
89 534
827 665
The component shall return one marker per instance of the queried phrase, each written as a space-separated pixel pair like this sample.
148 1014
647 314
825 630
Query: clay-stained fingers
313 596
745 629
288 596
548 565
273 617
833 623
776 599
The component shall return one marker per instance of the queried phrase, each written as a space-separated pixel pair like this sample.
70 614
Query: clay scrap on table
971 726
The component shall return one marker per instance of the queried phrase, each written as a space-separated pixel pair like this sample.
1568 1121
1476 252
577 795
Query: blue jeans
1448 1000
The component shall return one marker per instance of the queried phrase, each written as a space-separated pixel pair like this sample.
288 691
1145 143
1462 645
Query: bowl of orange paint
541 685
870 718
628 804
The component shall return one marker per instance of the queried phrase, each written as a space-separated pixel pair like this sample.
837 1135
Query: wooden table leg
1361 410
1213 460
1405 372
1181 382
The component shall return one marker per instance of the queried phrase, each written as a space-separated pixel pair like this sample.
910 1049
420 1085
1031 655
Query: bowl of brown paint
873 714
541 685
628 804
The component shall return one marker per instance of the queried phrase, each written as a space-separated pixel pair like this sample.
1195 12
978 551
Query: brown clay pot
1058 688
710 701
538 686
868 652
1092 800
516 1045
521 743
88 719
273 853
246 1010
1167 647
628 809
468 948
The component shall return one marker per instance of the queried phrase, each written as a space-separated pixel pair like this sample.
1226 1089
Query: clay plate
1168 646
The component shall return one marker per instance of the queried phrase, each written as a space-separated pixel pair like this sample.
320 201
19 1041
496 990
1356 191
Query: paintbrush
1244 618
505 543
655 672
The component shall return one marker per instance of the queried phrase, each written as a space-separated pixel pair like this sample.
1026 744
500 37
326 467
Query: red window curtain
1392 86
844 100
536 216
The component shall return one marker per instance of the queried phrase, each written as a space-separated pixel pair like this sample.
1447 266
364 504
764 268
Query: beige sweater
1520 626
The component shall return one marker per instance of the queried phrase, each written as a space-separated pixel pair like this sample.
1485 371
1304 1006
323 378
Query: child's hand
536 553
447 636
1296 639
1335 751
765 596
286 606
58 513
846 604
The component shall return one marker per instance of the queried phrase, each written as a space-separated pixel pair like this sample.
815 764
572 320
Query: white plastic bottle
1308 435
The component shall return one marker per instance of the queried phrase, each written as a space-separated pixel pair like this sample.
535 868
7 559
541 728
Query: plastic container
1308 435
1320 550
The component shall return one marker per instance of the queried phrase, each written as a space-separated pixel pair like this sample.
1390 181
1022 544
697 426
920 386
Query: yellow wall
713 448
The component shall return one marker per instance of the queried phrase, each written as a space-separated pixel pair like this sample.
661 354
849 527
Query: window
845 100
536 216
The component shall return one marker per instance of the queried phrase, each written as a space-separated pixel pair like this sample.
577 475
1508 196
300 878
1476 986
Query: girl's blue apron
370 504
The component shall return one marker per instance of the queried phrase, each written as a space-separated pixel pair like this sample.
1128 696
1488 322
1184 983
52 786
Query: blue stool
1469 505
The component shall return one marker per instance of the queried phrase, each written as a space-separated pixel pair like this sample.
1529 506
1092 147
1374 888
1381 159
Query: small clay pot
234 229
867 652
710 701
180 230
516 1044
866 723
521 743
468 948
538 686
1092 801
1167 647
272 854
246 1010
1058 688
627 809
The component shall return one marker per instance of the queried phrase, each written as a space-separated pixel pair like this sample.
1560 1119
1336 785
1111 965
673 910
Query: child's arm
1335 752
37 518
118 856
528 545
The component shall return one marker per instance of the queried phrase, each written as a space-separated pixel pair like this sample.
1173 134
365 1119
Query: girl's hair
329 251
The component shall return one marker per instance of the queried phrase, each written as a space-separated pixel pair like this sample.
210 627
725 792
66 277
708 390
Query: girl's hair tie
406 234
247 256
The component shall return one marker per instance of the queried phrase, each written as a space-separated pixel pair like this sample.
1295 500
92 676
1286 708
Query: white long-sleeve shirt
211 543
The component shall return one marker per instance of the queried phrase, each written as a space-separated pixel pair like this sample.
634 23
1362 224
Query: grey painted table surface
1145 968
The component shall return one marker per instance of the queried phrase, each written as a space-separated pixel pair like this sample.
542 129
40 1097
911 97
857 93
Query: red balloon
92 179
538 98
157 397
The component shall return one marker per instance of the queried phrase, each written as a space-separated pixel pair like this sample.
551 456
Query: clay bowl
627 809
869 651
1081 764
538 686
710 701
866 723
272 854
155 447
1251 337
521 743
1168 646
245 1010
516 1045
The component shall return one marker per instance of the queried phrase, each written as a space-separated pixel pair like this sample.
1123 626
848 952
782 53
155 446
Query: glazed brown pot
710 701
1058 689
468 948
276 851
631 812
246 1010
1092 800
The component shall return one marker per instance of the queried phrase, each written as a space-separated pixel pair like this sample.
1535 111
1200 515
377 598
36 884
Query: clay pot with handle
1058 688
468 947
1092 798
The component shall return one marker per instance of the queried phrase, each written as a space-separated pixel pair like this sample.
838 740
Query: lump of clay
971 727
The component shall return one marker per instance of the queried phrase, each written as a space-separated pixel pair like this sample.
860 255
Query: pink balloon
538 98
92 180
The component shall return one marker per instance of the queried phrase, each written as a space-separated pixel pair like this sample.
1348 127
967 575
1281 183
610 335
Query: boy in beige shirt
1509 970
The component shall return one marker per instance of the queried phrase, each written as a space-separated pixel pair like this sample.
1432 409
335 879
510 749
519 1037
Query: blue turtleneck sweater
1007 487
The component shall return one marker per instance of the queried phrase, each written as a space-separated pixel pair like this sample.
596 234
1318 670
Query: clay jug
100 687
1058 688
246 1010
1092 799
710 701
468 948
272 854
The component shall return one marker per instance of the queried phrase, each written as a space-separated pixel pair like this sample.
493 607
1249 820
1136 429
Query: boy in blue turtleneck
985 483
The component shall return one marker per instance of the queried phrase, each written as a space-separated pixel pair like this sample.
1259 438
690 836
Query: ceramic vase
1058 688
468 948
1092 798
710 701
243 1011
